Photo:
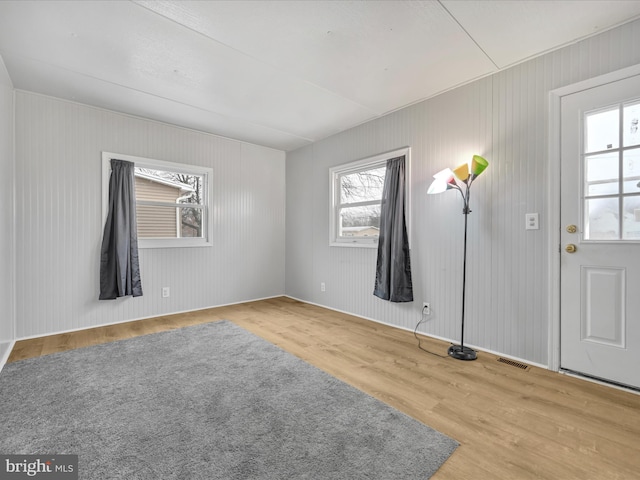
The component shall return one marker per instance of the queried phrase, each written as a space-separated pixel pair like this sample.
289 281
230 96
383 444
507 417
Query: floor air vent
522 366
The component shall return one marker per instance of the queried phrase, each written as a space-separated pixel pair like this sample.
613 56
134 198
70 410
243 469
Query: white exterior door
600 232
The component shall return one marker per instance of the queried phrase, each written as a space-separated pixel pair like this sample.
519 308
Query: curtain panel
393 269
119 266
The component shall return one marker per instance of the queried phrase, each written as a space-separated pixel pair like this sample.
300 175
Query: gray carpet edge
242 459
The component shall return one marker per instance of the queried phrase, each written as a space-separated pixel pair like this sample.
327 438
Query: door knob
570 248
572 228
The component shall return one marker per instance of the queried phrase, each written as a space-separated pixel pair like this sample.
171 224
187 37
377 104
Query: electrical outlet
322 287
426 308
531 221
165 292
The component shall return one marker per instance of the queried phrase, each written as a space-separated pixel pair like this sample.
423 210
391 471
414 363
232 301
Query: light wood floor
511 423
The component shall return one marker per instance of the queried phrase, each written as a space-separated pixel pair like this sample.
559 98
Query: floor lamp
446 180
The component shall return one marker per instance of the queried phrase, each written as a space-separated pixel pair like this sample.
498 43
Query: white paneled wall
6 211
504 118
59 230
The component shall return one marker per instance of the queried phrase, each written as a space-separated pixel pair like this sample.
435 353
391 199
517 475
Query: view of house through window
173 201
169 204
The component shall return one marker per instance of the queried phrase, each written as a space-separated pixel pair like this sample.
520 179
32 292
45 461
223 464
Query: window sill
354 244
173 243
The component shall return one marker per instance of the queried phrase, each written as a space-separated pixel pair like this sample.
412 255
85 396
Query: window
172 202
356 193
611 168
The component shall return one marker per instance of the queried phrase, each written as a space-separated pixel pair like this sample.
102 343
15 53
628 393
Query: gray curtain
393 270
119 267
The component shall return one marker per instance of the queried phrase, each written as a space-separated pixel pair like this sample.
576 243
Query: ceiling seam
293 135
273 67
468 35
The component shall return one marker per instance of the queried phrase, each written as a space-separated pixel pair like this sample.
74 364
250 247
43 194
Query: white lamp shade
438 186
446 175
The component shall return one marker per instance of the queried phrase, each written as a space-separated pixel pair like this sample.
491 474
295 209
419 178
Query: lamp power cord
415 334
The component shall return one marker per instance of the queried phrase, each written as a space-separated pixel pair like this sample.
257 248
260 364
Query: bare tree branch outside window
360 194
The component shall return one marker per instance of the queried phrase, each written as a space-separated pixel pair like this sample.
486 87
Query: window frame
618 151
178 242
363 164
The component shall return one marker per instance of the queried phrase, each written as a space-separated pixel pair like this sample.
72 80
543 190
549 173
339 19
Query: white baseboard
41 335
528 362
5 351
475 347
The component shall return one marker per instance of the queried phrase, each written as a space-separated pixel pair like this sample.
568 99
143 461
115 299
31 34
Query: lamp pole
445 180
460 351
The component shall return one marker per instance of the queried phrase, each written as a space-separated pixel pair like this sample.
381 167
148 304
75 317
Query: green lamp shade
478 164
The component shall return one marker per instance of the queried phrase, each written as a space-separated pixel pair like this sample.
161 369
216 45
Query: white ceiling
279 73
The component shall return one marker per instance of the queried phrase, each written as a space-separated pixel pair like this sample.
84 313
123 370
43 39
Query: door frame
553 196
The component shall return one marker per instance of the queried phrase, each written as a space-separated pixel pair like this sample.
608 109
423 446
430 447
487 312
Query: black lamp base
462 353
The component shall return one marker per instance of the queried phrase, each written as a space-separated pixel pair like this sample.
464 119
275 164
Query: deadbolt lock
572 229
570 248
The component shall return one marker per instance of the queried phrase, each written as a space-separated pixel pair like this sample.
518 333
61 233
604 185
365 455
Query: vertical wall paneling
300 235
7 308
503 117
59 218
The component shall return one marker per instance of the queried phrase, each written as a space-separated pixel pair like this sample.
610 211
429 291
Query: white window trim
171 166
334 195
621 195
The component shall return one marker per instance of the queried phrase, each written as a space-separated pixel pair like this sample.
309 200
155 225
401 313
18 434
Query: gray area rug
211 401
